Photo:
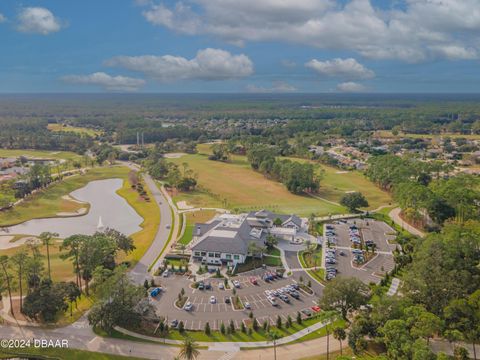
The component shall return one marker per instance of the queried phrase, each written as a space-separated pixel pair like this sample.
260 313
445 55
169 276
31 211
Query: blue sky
240 46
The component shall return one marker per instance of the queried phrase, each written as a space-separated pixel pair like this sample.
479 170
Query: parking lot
345 260
204 310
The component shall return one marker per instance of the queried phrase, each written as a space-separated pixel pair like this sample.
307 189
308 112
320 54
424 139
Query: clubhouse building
227 238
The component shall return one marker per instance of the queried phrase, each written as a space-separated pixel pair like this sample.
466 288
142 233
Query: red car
316 308
254 281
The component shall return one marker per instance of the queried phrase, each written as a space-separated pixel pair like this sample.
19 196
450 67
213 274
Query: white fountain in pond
100 225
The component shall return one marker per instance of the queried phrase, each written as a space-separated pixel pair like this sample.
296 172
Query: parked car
201 285
166 273
316 308
236 283
307 312
227 299
155 291
272 300
284 298
188 306
247 305
174 323
253 280
221 286
295 294
213 300
295 286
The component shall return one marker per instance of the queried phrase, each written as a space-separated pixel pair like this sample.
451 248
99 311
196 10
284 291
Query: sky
234 46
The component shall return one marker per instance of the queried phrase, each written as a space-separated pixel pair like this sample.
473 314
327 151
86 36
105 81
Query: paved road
140 272
395 216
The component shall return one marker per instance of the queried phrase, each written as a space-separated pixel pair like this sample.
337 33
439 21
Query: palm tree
339 334
46 238
327 317
273 336
4 264
189 349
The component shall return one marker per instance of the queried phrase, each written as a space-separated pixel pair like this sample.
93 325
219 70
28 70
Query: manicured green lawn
191 219
49 202
150 213
259 335
45 154
313 259
236 186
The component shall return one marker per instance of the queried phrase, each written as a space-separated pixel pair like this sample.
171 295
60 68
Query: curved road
140 271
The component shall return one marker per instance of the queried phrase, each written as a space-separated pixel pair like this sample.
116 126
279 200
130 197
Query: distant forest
194 117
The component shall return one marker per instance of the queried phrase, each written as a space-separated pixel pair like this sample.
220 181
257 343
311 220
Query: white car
221 286
272 300
236 283
188 306
213 300
247 305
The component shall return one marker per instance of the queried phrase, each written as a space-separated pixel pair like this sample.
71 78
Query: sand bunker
182 205
174 155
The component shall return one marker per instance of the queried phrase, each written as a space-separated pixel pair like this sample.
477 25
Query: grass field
49 202
260 335
74 129
150 213
192 218
235 185
56 155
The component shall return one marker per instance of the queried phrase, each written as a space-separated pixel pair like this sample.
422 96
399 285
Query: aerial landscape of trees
271 136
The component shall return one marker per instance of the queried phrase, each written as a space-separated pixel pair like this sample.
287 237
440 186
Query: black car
227 299
208 286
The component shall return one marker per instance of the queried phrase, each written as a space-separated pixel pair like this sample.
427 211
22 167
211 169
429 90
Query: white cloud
107 82
38 20
277 87
351 87
208 64
349 69
2 18
418 30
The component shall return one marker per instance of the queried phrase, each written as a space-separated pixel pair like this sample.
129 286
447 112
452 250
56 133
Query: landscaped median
246 337
311 259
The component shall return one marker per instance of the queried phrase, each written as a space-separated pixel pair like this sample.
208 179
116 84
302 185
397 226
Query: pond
107 208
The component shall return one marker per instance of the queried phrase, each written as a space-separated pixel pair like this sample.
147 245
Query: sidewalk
395 216
230 346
